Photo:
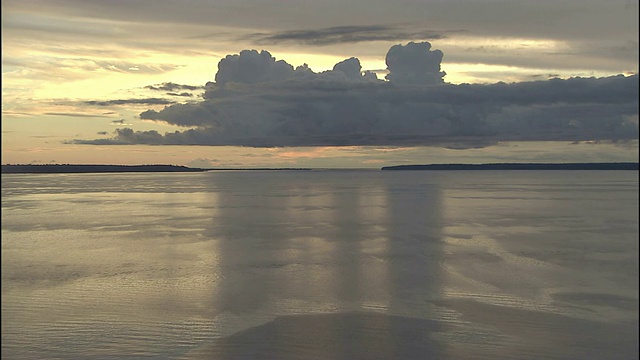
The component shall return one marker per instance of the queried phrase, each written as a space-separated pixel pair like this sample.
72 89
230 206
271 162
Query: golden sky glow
62 65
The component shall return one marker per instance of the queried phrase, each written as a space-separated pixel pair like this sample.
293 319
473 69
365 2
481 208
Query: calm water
321 265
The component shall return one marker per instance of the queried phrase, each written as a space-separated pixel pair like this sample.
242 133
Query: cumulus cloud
261 102
414 63
351 68
251 67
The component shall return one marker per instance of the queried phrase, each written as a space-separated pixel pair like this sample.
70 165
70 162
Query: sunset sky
320 83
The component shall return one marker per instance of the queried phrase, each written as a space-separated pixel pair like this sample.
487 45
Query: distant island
68 168
71 168
520 166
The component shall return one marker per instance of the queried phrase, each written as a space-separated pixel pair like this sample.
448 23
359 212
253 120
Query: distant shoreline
520 166
67 168
82 169
77 169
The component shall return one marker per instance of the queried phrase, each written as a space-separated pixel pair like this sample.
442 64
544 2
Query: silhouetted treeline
66 168
519 166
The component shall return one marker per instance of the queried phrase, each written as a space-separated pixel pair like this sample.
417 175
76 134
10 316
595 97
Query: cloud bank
259 101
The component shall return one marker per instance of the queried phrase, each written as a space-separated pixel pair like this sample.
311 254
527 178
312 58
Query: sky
322 84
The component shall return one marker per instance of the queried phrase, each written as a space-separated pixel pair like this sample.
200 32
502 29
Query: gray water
321 265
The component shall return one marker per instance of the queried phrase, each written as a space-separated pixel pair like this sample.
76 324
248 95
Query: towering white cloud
258 101
252 67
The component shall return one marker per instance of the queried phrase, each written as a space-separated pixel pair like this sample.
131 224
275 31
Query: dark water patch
353 336
598 299
544 335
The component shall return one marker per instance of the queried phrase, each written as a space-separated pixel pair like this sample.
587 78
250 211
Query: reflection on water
324 243
320 264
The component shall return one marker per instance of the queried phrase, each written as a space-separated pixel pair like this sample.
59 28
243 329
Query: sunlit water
321 265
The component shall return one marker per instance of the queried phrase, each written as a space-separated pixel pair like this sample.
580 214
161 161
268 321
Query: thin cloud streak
169 86
75 114
149 101
345 34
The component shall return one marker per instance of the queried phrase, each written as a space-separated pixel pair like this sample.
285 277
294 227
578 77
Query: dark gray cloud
126 136
198 114
169 86
261 102
582 19
351 68
414 63
345 34
121 122
252 67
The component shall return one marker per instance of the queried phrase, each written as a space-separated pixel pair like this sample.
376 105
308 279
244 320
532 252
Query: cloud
344 34
148 101
173 89
184 94
260 102
351 68
198 114
126 67
252 67
125 136
75 114
48 24
169 86
414 63
120 122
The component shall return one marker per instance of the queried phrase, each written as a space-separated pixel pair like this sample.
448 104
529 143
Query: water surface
321 264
